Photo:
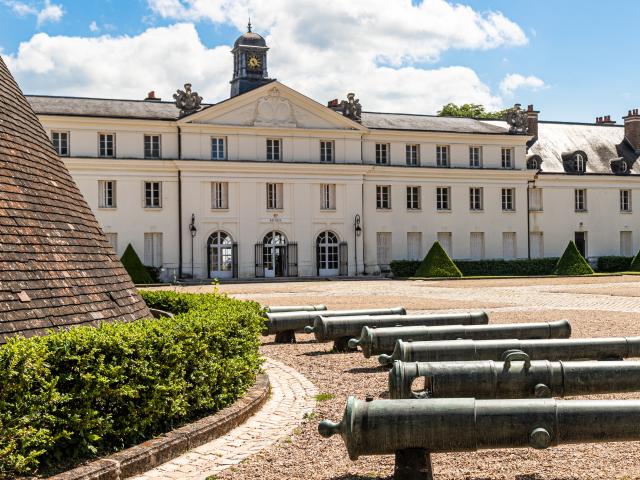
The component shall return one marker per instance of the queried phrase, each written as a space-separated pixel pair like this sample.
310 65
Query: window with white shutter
383 243
153 249
328 196
626 243
536 240
445 241
535 200
476 249
219 195
414 245
509 245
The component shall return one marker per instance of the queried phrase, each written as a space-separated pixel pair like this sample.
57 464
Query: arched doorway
274 254
328 254
220 253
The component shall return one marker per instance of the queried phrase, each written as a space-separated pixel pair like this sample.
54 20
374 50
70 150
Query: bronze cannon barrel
517 378
296 321
608 348
296 308
381 427
326 329
374 341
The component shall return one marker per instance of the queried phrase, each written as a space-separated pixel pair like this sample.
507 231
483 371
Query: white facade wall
355 176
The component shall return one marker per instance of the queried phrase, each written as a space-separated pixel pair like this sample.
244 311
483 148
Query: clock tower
249 62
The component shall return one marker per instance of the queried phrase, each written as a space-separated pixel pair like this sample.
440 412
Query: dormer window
534 162
619 166
581 163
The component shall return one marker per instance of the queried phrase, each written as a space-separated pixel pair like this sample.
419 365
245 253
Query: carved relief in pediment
274 110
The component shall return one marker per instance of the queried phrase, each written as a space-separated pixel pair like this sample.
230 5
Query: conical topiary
635 263
134 266
572 262
437 264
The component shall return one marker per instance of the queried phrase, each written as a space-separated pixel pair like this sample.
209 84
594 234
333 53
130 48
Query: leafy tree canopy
470 110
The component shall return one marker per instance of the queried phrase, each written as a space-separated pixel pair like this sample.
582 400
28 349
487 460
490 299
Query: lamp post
192 230
357 231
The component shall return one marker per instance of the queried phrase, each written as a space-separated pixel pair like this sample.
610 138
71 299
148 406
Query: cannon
374 341
298 308
413 429
285 324
342 329
609 348
518 377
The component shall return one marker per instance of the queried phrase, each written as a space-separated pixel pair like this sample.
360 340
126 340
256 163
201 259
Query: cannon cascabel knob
327 428
308 329
540 438
385 359
353 343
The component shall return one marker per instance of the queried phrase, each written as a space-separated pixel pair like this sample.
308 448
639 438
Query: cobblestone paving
292 396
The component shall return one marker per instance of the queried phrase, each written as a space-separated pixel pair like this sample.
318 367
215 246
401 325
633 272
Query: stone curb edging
154 452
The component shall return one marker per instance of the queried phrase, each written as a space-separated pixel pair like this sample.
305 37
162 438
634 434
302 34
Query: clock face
253 63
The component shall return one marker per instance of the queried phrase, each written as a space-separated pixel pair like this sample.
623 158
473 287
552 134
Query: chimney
606 120
151 97
532 121
632 129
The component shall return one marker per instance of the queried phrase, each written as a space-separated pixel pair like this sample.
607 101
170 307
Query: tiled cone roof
56 266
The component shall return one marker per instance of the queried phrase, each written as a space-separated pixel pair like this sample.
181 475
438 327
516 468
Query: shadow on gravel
319 353
380 369
363 477
527 476
298 342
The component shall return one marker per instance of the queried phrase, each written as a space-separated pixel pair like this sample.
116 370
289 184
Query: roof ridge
66 97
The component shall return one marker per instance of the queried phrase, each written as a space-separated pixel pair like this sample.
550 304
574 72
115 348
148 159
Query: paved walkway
292 396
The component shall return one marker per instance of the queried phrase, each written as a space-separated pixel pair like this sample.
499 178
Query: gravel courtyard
598 306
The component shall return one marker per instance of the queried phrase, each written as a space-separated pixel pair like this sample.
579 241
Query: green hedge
134 267
437 264
76 394
614 264
474 268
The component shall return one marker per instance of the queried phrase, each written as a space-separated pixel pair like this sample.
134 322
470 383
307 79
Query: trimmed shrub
613 264
476 268
635 263
76 394
437 264
134 267
572 262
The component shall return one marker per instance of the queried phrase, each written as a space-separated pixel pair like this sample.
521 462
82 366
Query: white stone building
272 183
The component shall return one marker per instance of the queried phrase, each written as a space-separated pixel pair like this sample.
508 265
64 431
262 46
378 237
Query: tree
470 110
134 266
572 262
437 264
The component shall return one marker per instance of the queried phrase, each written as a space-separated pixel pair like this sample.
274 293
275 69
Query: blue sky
572 59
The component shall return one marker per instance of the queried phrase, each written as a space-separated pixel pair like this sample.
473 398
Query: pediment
274 106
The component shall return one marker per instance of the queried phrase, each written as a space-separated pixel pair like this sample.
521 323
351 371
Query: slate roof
429 123
56 266
601 144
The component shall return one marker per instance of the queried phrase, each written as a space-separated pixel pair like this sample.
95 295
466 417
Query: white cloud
93 26
376 48
515 81
49 12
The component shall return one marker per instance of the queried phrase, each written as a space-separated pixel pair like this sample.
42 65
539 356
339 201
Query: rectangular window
327 151
106 145
61 143
625 201
112 238
476 247
626 243
442 155
274 196
219 195
274 150
152 194
413 198
445 241
328 196
442 198
475 157
507 158
153 249
535 200
383 197
413 155
509 251
107 193
580 197
382 153
383 244
414 245
218 151
537 244
475 199
152 146
508 199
